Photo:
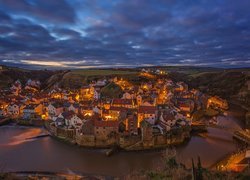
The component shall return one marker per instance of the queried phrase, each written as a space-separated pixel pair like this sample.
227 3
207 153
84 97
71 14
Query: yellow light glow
77 97
88 114
108 117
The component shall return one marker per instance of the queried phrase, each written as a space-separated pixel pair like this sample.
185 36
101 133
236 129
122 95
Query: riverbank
31 122
49 175
51 154
246 110
230 162
5 121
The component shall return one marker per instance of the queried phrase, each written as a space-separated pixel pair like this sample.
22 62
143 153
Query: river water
17 153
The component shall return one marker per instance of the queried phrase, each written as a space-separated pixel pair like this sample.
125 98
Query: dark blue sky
120 33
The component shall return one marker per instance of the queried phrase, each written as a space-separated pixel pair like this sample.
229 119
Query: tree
193 170
199 169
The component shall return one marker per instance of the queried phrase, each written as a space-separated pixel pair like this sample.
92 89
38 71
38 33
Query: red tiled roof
123 101
147 109
113 108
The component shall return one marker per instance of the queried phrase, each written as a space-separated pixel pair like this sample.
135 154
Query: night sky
124 33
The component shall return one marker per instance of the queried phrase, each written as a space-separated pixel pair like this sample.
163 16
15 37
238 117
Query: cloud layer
84 33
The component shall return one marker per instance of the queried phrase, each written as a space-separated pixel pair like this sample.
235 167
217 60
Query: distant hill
9 74
231 84
227 83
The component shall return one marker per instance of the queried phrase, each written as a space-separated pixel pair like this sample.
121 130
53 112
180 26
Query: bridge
239 134
243 136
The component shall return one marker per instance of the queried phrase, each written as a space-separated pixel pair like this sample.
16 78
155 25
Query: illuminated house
87 92
167 120
116 113
16 87
139 100
96 95
72 119
131 124
102 129
74 107
3 112
216 101
14 109
54 109
86 110
181 86
185 105
146 112
127 103
127 95
32 111
146 86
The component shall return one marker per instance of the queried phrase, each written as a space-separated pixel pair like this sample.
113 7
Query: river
17 153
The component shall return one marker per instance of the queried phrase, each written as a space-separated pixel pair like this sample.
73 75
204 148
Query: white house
76 121
101 82
96 95
127 95
72 119
54 109
13 110
97 110
3 112
74 107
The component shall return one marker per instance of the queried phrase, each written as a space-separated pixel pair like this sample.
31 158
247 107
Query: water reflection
22 136
47 154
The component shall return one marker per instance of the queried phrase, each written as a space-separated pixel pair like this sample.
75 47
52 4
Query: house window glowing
43 116
77 97
108 117
88 114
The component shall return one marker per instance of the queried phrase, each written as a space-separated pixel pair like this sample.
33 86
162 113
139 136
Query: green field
103 72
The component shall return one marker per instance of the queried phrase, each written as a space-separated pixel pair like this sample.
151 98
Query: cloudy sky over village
122 33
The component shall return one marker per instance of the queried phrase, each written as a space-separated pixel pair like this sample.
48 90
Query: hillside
8 75
76 78
230 84
111 91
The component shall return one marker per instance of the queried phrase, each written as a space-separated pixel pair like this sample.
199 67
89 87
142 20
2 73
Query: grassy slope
111 91
77 78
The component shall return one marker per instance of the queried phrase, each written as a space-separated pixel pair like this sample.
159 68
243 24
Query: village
150 114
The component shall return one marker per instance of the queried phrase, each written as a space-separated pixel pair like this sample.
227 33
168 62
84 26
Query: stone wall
66 133
92 141
85 140
158 141
126 143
